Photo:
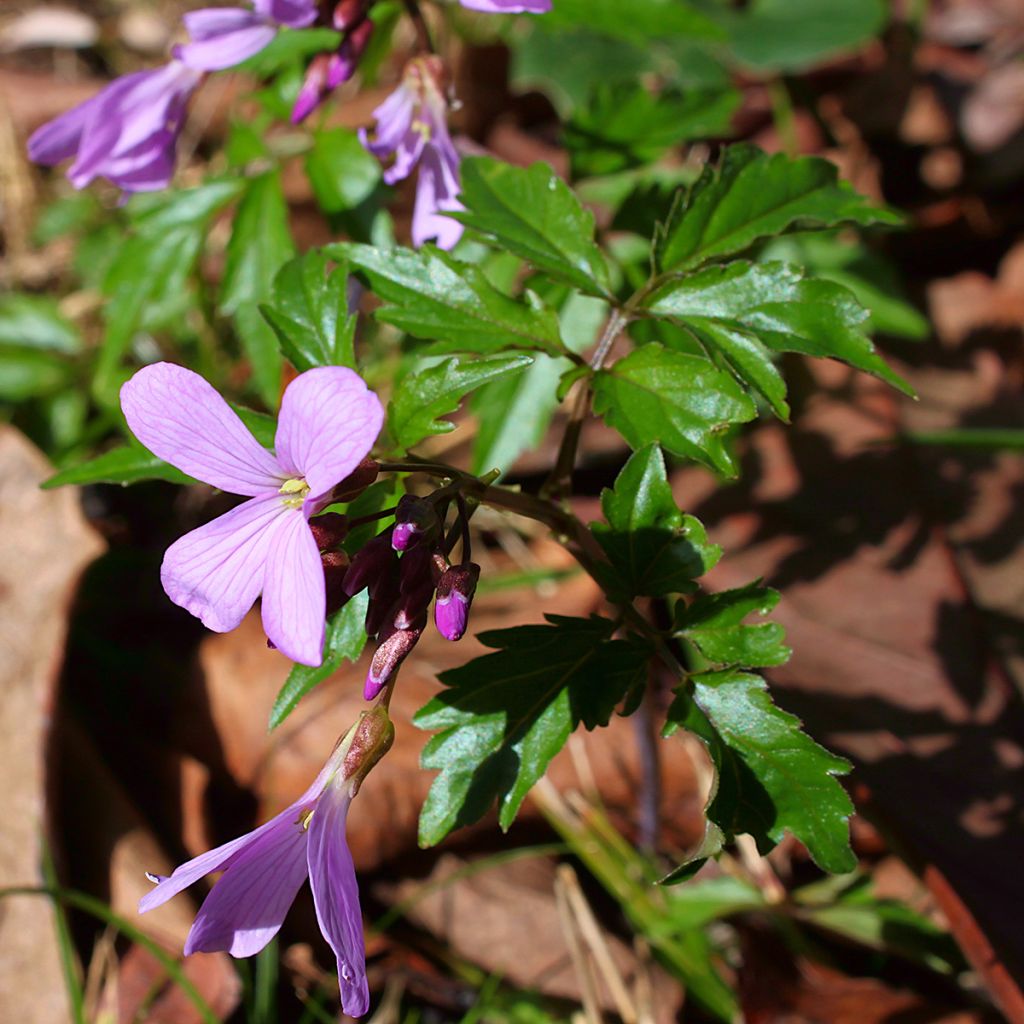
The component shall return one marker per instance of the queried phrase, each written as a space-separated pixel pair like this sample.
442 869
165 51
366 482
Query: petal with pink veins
217 571
294 594
179 417
329 420
336 897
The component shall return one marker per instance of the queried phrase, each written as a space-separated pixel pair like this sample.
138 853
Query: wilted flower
412 127
328 423
508 6
264 870
126 133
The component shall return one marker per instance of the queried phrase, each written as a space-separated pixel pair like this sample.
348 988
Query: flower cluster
128 132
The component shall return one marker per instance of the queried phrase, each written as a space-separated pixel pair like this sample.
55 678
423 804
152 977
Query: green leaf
343 174
31 373
504 716
35 321
434 295
530 211
772 777
638 20
128 465
308 311
260 243
346 638
288 47
624 125
993 439
794 35
679 400
261 425
751 195
714 624
653 548
744 309
427 394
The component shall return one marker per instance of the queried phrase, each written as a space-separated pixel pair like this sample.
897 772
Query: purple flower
264 870
221 37
508 6
412 127
126 133
328 423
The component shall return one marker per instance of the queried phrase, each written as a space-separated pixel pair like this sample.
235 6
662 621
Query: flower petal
247 906
180 417
508 6
59 139
329 420
217 571
293 13
336 897
294 594
437 190
221 37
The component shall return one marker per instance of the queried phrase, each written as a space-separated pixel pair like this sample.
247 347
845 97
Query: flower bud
370 563
348 13
329 530
454 596
415 520
389 656
335 565
314 87
371 740
417 581
342 65
357 481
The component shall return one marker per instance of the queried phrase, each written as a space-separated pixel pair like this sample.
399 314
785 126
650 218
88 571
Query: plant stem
422 31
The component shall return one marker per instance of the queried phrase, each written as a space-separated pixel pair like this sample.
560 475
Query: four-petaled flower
264 869
328 423
126 133
412 126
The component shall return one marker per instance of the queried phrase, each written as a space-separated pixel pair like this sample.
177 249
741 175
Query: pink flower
328 423
508 6
412 127
264 869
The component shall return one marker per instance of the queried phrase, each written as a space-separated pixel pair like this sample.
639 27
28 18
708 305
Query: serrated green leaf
35 321
423 396
530 211
638 20
345 640
714 624
624 125
504 716
772 777
653 548
260 244
127 465
342 172
794 35
683 402
436 296
308 311
744 309
751 195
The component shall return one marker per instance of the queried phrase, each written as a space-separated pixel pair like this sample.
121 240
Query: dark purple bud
343 64
329 530
416 586
357 481
314 88
370 563
415 520
389 656
384 594
348 13
335 565
454 597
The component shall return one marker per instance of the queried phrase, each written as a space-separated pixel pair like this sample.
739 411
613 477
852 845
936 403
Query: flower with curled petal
327 425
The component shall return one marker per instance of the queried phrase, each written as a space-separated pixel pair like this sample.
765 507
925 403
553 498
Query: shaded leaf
638 20
30 373
425 395
530 211
654 549
35 321
681 401
127 465
504 716
341 171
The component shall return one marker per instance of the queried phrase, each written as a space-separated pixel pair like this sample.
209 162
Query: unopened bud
314 87
389 656
348 13
357 481
368 741
454 596
416 585
416 519
335 565
373 560
343 64
329 530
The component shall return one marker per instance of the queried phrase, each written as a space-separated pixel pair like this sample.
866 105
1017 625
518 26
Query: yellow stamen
295 490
